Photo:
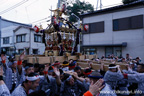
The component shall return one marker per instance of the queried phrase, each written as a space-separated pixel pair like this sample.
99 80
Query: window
117 51
37 38
6 40
20 51
90 51
134 22
21 38
97 27
137 22
35 51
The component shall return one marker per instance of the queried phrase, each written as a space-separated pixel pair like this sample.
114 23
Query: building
117 30
25 38
16 37
6 34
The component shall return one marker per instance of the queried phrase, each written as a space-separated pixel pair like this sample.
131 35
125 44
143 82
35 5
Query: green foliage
78 8
128 1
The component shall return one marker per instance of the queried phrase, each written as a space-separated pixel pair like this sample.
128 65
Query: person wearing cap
31 82
115 79
65 66
3 88
12 73
104 90
136 77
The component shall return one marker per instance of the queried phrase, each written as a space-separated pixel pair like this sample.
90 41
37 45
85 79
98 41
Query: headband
112 67
56 64
95 77
72 66
50 70
32 78
87 73
65 64
14 62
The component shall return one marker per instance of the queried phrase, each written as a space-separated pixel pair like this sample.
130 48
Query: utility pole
99 5
58 4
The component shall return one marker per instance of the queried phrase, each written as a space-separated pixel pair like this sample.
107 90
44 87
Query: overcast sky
33 10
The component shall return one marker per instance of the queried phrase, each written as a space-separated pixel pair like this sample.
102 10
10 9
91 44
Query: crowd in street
20 78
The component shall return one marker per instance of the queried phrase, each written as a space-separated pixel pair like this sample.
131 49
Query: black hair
25 62
61 71
56 61
142 65
112 65
77 68
29 64
36 65
50 68
65 76
137 58
65 62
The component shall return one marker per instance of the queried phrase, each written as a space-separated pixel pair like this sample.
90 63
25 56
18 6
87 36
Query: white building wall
29 41
36 45
22 45
7 32
134 38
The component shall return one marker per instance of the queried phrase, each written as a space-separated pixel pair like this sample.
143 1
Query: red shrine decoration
36 29
86 27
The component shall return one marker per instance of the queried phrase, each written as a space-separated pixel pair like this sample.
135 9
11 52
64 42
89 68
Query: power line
13 7
41 19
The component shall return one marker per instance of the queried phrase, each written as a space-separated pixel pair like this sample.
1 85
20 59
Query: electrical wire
41 19
13 7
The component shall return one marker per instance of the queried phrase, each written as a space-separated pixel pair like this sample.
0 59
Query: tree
128 1
77 7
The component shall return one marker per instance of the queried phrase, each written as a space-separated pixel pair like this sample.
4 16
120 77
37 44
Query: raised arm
3 57
57 73
19 63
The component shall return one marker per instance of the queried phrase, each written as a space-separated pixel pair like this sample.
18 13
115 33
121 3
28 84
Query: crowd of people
20 78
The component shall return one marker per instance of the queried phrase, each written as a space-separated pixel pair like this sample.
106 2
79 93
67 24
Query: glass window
117 51
35 51
90 51
37 38
108 51
133 22
6 40
21 38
